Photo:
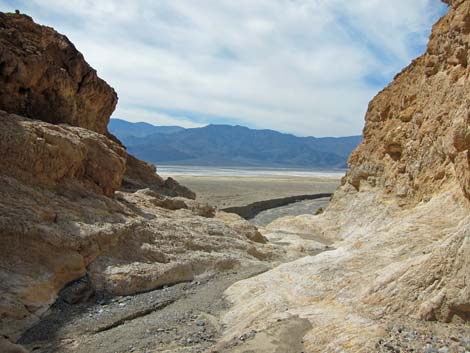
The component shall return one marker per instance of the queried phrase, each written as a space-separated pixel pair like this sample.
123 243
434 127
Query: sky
307 67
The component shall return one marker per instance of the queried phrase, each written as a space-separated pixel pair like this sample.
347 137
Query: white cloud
301 66
139 115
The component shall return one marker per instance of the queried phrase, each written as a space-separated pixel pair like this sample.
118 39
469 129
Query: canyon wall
43 76
416 137
400 221
74 204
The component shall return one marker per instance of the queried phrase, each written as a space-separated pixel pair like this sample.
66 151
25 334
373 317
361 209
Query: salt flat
230 187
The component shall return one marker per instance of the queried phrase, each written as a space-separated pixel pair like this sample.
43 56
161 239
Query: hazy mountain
123 129
225 145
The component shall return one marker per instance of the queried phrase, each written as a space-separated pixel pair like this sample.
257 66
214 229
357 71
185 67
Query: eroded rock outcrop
61 216
142 175
43 76
39 153
126 244
400 222
415 138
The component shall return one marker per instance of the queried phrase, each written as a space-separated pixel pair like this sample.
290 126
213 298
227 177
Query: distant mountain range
225 145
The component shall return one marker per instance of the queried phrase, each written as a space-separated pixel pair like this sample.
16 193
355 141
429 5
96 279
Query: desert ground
185 317
231 191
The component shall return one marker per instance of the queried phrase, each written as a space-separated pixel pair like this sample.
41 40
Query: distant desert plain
228 190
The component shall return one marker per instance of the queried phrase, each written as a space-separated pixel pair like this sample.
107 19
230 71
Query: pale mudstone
137 277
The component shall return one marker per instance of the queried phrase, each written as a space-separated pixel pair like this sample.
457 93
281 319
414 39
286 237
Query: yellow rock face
400 222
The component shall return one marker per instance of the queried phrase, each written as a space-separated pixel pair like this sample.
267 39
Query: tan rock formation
43 76
415 138
60 215
43 154
400 222
57 232
142 175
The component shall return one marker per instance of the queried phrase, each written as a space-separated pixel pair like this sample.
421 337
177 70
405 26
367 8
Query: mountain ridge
138 129
227 145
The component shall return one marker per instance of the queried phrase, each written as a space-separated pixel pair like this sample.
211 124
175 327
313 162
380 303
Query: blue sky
307 67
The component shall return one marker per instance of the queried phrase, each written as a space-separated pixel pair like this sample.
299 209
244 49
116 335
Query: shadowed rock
43 76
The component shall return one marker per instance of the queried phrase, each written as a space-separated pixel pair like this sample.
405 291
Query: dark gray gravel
181 318
425 337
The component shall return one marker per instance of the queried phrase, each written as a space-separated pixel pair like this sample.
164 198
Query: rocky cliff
400 222
74 204
43 76
416 135
62 216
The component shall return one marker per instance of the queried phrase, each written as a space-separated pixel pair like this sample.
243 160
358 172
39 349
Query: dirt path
283 337
176 319
181 318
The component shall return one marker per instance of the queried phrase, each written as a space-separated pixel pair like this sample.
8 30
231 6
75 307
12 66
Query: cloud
139 115
307 67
